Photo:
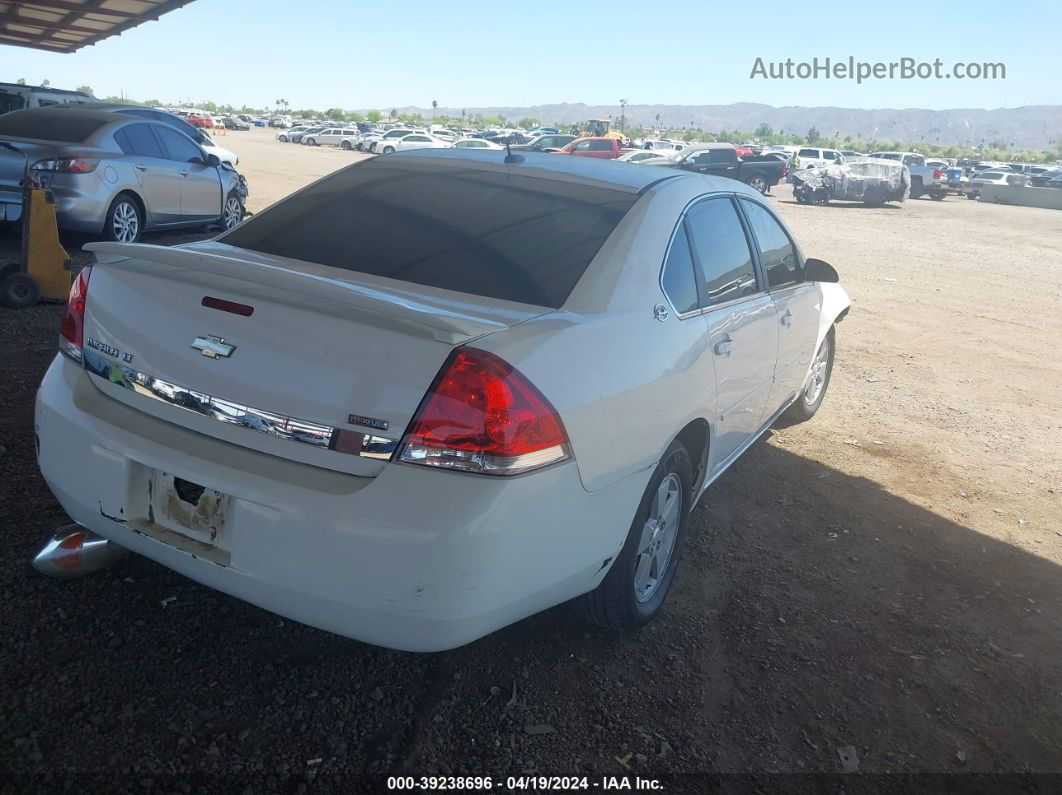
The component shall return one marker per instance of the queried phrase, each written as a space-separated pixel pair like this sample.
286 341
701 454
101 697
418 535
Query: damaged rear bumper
413 559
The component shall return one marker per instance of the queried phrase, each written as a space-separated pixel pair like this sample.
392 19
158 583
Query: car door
159 177
797 303
200 183
582 149
741 324
722 163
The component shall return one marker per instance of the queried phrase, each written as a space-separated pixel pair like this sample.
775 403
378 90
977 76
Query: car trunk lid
334 359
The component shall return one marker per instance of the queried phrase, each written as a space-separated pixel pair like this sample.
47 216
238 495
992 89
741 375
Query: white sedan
475 143
417 140
434 393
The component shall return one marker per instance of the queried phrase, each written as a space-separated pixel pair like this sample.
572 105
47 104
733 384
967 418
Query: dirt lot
883 580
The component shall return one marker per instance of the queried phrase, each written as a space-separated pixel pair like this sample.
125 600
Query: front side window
582 146
679 281
777 252
721 252
600 146
180 148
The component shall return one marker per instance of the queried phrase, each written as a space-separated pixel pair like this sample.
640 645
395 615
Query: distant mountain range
1028 127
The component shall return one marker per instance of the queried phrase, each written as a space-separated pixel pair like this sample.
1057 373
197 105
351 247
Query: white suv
814 157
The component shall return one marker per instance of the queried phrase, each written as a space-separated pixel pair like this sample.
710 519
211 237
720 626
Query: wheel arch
139 201
696 438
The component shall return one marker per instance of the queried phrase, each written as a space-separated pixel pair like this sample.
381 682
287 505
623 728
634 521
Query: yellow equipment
595 128
44 273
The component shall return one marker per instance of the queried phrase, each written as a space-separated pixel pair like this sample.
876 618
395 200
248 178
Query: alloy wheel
819 369
657 543
233 212
126 222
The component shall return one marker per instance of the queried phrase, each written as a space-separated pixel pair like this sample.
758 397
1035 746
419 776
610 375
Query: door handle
787 319
183 173
140 167
722 348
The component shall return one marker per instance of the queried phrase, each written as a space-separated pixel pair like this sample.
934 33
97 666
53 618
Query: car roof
626 177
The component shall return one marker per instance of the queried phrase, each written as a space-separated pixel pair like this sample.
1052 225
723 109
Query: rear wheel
758 183
345 144
125 220
635 588
282 138
818 380
388 150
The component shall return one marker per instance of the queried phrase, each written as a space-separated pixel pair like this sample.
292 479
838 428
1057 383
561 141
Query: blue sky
467 53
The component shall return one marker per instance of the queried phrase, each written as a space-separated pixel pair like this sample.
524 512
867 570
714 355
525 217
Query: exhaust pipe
73 551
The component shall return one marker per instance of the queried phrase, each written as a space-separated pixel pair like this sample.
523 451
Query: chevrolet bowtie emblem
213 346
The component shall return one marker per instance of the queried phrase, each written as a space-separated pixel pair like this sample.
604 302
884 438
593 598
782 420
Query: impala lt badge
213 347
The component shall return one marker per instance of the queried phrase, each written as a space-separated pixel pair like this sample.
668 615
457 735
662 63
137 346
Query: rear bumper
414 559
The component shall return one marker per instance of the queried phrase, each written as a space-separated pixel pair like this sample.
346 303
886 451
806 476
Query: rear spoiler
417 315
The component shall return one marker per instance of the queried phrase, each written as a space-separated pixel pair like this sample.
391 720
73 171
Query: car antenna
509 156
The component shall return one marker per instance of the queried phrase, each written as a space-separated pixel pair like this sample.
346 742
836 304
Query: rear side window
721 252
777 253
600 146
720 156
445 224
142 141
679 281
808 153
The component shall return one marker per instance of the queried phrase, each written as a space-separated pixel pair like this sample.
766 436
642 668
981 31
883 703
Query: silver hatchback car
114 175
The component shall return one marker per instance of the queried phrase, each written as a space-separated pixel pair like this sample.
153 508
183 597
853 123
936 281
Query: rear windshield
66 127
444 224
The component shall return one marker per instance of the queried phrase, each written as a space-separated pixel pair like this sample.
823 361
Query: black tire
118 209
18 290
937 195
388 150
613 604
916 188
283 139
345 145
758 182
803 409
359 146
230 219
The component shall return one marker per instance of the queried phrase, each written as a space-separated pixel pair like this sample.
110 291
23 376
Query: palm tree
434 107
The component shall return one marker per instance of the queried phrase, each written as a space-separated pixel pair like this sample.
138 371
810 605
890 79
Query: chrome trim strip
341 440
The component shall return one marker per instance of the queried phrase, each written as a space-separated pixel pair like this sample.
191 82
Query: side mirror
815 270
213 160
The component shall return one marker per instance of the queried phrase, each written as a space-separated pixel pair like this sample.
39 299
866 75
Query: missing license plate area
189 515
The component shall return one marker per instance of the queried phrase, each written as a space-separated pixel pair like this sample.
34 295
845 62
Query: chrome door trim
280 426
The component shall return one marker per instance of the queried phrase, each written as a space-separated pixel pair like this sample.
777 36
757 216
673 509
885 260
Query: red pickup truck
603 148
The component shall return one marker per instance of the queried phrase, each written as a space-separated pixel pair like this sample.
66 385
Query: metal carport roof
68 25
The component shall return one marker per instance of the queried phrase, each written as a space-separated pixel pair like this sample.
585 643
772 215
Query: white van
14 96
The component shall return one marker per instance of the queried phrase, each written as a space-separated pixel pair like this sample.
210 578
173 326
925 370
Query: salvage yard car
436 392
117 176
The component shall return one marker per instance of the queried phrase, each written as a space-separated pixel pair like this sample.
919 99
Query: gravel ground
875 591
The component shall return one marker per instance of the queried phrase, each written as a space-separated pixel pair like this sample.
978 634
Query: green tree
374 115
764 130
527 121
336 114
86 90
814 136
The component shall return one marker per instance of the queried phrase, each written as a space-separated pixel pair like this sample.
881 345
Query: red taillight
68 165
938 173
785 170
482 415
72 326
